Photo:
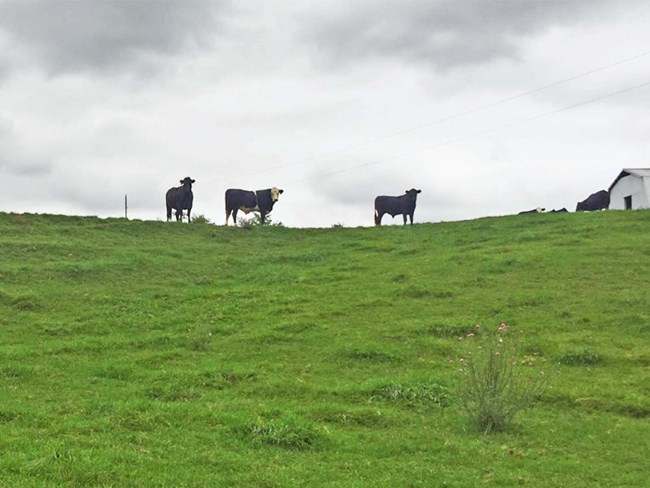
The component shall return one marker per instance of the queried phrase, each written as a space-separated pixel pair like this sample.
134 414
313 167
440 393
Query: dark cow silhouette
403 205
180 198
250 201
562 210
533 211
595 201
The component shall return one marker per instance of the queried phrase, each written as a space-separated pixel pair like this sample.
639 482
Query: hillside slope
161 354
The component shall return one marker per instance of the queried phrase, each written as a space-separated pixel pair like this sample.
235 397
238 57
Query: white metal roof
640 172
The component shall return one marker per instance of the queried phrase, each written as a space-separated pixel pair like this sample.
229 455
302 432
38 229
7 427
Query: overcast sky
488 106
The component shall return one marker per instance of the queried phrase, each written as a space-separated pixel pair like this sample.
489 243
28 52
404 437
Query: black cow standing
180 198
595 201
404 205
250 201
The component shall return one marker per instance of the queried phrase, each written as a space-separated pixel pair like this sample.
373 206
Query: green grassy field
162 354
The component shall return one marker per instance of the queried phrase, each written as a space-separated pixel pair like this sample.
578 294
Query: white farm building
630 190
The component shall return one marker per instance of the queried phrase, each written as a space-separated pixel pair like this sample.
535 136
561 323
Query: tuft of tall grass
584 357
288 432
495 385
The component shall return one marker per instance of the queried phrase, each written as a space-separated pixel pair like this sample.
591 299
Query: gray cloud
104 35
444 33
23 165
15 161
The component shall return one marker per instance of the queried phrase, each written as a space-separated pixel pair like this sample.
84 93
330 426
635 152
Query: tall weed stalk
495 384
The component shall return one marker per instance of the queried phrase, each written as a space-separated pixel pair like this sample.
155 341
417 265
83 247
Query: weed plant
495 383
201 219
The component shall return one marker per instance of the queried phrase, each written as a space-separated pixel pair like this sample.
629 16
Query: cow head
275 194
187 182
413 193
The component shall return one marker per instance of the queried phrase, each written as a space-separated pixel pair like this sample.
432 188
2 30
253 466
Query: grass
152 354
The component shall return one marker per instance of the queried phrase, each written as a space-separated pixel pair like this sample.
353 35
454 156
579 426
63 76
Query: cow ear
280 191
193 181
182 181
419 191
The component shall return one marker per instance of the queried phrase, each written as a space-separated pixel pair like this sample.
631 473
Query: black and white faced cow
180 198
533 211
247 201
403 205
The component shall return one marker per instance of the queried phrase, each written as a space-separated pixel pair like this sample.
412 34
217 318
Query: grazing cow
534 211
180 198
403 205
595 201
562 210
250 201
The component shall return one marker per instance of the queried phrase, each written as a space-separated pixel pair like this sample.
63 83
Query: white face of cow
275 194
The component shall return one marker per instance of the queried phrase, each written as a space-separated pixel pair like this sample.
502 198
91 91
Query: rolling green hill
161 354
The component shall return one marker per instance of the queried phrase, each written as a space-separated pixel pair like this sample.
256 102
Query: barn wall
638 187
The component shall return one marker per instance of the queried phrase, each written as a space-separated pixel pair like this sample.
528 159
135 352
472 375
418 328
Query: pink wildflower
503 326
471 334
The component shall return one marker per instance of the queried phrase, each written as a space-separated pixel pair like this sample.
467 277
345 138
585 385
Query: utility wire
442 120
476 134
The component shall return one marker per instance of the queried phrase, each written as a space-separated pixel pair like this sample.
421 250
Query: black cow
250 201
180 198
562 210
534 211
403 205
595 201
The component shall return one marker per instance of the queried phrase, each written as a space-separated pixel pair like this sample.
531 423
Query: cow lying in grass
533 211
595 201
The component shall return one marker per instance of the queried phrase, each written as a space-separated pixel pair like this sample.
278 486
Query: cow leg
227 215
378 217
190 220
179 215
411 217
169 214
234 216
262 217
404 216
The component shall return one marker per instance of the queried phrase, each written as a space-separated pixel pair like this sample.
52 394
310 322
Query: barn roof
640 172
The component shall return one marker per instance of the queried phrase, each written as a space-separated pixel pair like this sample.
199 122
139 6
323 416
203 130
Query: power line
476 134
442 120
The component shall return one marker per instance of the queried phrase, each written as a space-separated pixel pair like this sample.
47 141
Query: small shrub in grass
443 330
201 219
287 432
580 358
256 221
418 394
495 384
